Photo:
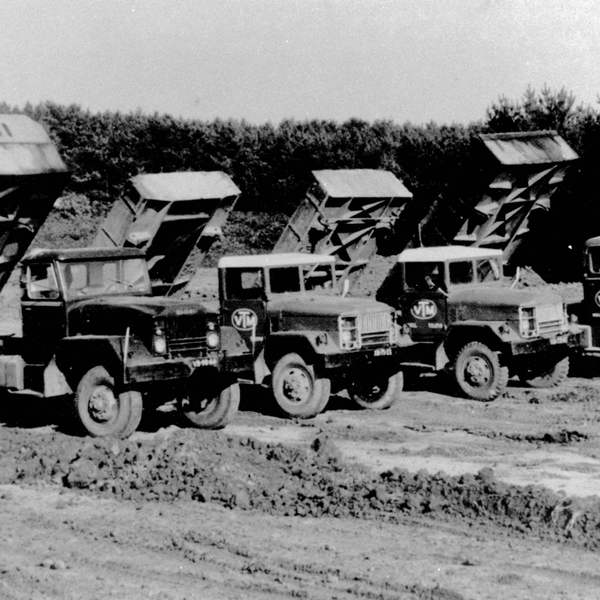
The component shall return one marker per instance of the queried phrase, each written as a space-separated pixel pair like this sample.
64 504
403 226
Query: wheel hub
370 391
103 405
296 385
478 372
197 405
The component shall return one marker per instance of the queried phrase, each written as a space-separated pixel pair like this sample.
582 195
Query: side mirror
345 287
517 276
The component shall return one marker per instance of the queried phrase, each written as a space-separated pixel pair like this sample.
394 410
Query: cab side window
424 277
461 272
41 282
594 259
244 284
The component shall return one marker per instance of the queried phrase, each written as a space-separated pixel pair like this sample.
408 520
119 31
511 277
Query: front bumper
160 369
377 357
563 342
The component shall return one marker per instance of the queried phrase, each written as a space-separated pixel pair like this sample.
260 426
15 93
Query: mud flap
55 383
261 371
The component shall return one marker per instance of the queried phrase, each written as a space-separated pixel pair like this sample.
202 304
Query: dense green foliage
272 163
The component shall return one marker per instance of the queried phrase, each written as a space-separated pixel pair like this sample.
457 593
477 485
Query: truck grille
550 318
545 319
375 328
186 336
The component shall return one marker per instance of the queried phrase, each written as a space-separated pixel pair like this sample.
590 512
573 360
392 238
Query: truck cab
460 314
285 322
588 312
91 326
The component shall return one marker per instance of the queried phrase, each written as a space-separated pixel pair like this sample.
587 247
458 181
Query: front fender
76 355
495 334
309 344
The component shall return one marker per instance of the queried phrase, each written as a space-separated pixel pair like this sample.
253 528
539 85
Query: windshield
313 278
319 278
488 270
285 279
93 278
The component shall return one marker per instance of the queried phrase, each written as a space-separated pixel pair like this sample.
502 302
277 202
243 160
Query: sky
443 61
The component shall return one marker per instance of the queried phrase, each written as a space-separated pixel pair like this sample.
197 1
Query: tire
212 413
99 413
377 394
296 391
323 391
478 373
550 377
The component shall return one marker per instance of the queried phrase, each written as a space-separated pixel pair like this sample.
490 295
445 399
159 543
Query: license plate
560 339
383 352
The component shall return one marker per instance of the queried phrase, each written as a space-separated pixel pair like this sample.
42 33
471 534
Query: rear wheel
478 372
376 393
100 411
296 390
551 376
212 412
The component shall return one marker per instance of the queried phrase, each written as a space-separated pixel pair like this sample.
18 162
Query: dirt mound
284 480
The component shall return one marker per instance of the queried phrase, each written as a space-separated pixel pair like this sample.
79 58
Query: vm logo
244 319
423 309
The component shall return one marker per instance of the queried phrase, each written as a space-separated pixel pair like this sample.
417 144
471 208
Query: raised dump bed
344 214
530 167
32 176
167 214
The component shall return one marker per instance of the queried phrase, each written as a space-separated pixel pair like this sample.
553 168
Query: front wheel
376 393
548 377
213 412
296 390
100 412
478 372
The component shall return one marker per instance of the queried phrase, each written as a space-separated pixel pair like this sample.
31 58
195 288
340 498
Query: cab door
425 313
243 310
590 313
43 313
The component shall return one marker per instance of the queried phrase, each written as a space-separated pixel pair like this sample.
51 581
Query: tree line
272 164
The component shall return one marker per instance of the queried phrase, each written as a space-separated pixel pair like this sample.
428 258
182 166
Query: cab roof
444 253
285 259
74 254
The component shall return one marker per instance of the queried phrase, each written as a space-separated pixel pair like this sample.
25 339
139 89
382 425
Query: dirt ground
436 498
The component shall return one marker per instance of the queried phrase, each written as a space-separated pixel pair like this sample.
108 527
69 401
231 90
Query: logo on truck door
244 319
423 309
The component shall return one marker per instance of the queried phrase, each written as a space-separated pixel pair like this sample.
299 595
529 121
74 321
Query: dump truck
91 328
285 324
458 315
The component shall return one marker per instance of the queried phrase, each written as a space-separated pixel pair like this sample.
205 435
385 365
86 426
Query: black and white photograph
299 300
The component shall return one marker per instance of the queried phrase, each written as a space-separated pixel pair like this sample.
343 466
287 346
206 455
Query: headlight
212 339
159 344
528 322
349 335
